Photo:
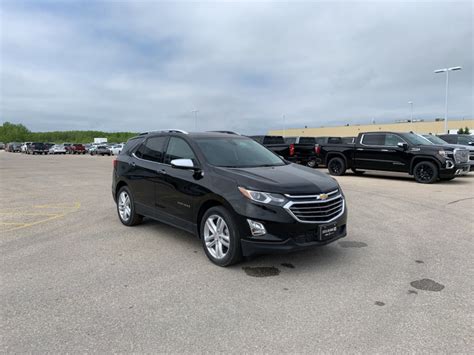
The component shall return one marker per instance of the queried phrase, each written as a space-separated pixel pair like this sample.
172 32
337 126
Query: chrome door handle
162 171
360 148
384 150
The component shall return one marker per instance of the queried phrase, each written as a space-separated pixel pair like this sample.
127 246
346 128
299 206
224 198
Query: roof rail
171 130
226 132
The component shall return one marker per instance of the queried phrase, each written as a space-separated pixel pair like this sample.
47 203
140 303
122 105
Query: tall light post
446 70
195 118
411 110
284 126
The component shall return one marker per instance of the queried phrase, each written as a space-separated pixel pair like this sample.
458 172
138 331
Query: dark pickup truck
397 152
300 150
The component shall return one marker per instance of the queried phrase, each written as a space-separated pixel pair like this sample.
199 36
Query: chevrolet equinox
237 196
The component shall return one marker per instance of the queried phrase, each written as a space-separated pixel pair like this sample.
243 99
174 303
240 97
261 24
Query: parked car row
35 148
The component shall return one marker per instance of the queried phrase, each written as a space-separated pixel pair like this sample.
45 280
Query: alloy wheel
217 236
125 206
335 166
424 172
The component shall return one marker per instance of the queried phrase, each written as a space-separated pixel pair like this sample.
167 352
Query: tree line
10 132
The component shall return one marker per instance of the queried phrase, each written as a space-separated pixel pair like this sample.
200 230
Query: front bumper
287 237
455 170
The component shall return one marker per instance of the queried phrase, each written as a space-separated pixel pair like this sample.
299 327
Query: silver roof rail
172 130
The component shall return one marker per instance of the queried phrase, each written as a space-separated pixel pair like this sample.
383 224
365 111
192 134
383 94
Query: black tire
133 218
312 164
357 172
425 172
233 254
337 166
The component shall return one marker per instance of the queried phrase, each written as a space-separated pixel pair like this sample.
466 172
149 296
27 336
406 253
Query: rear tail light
292 150
317 149
115 162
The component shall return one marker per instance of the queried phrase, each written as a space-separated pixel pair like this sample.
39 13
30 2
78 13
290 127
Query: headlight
263 197
445 153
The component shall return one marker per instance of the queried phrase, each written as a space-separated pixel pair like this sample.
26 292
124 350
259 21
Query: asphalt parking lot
74 279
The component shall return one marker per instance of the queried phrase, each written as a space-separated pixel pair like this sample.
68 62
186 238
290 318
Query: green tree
461 131
467 131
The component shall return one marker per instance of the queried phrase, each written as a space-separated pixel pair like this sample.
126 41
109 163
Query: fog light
256 228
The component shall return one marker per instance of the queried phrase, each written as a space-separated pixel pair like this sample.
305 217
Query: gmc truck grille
461 156
321 208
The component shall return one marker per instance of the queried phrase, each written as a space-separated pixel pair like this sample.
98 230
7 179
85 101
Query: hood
286 179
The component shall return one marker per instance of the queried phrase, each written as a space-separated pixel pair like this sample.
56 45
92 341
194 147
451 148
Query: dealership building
422 127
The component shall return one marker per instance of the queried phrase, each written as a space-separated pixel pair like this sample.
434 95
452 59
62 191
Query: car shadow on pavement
318 256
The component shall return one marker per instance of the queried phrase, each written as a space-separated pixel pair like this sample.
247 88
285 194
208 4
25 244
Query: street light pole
195 118
411 111
446 70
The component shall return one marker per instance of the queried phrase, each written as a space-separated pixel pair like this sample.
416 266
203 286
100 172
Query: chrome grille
461 156
313 209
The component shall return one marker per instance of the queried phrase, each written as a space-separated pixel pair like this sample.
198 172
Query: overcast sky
142 65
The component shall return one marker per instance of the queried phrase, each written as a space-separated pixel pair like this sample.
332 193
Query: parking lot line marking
50 216
12 223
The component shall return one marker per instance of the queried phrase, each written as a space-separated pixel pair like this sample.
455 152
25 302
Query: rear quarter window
273 140
131 145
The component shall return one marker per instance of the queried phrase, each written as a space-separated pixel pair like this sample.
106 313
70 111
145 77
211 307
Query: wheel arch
419 159
206 205
336 155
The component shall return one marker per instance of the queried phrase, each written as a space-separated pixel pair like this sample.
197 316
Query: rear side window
131 145
290 140
373 139
334 140
178 149
273 140
152 149
307 140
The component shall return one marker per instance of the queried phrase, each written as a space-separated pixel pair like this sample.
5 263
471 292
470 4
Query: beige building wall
348 131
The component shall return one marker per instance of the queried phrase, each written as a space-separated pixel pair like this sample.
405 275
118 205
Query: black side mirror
404 146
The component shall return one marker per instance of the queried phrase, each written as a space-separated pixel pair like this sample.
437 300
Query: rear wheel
337 166
312 164
126 208
220 237
425 172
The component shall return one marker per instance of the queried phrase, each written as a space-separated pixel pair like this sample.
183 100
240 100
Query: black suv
236 195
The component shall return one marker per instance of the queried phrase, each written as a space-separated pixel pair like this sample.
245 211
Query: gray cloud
146 65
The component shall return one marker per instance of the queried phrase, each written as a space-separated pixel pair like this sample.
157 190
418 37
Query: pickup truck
300 150
397 152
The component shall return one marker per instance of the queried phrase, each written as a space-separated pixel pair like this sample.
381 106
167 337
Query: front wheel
312 164
425 172
220 237
337 166
126 208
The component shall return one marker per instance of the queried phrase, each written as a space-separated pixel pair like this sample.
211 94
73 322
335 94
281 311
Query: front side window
178 149
152 149
392 140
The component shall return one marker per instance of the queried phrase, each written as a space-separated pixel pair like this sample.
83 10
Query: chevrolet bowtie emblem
322 197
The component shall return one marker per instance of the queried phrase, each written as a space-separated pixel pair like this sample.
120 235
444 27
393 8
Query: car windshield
434 139
235 152
416 139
